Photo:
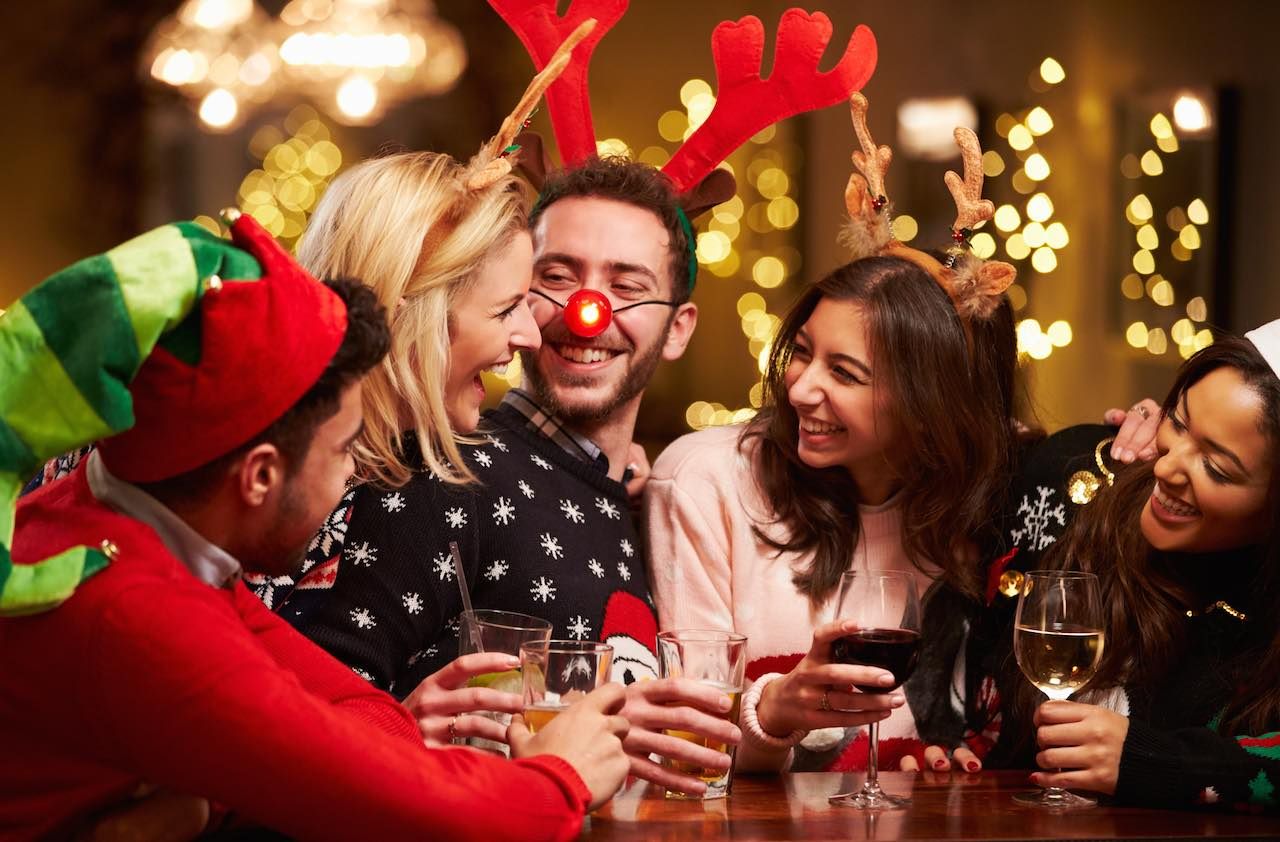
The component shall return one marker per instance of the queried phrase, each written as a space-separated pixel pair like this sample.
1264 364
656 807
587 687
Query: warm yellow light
769 272
1168 145
1016 247
1139 209
1033 235
1043 260
1129 167
1040 348
692 88
905 228
1189 236
219 108
1186 350
1175 219
1039 207
699 107
1204 338
750 302
773 183
1197 309
1055 236
756 396
1161 127
764 135
1020 138
992 163
728 267
1191 114
1021 183
1039 122
1151 164
983 245
1147 237
1136 335
1028 330
323 158
357 97
672 125
1144 263
1017 296
1131 286
713 246
1180 252
1005 123
1183 331
1051 71
1036 167
1198 212
613 146
1157 342
1007 218
1162 293
1060 333
783 212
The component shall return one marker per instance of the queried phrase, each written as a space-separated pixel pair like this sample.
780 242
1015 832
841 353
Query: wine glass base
1058 799
863 800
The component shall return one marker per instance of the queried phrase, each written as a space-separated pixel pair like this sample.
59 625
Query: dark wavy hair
1146 599
951 391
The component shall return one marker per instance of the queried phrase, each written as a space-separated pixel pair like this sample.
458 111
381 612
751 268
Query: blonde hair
408 227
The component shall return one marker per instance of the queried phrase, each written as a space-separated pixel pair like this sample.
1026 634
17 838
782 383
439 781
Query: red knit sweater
149 675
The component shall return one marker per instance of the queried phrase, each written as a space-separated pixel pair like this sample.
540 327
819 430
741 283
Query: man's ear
681 331
261 473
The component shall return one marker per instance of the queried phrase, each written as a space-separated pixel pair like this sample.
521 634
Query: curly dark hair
367 340
618 178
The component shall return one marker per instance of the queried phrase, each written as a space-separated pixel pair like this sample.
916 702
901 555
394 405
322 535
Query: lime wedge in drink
507 681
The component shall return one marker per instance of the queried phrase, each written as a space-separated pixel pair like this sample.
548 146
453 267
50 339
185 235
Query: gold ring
1141 410
453 729
825 703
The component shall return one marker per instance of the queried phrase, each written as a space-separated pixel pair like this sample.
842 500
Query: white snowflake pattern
394 502
544 589
579 628
551 546
497 443
607 509
454 625
571 511
362 554
483 458
525 489
1036 518
412 603
496 570
362 673
429 652
624 571
334 530
265 589
503 511
442 566
627 549
362 618
455 518
596 568
540 462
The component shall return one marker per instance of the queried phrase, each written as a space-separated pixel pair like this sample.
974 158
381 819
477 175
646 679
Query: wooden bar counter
946 806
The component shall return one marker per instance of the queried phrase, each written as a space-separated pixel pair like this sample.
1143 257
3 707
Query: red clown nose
588 313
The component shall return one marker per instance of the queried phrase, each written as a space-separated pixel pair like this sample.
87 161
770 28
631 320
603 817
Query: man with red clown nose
222 384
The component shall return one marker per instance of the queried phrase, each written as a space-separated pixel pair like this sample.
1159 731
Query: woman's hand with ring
442 701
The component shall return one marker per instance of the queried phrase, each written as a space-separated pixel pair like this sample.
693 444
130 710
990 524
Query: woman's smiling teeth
819 428
585 355
1175 506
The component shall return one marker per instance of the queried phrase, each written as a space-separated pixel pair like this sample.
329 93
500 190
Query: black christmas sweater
543 532
1174 754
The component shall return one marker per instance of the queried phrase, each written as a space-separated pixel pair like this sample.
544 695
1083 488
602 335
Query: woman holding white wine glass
1184 706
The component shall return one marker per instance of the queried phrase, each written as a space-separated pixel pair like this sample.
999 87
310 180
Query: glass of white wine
1058 639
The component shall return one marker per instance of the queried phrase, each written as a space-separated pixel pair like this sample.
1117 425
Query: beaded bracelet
751 723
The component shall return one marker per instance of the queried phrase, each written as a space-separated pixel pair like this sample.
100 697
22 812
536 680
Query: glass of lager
716 658
557 673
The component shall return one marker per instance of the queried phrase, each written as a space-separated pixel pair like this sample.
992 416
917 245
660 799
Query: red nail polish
971 766
939 764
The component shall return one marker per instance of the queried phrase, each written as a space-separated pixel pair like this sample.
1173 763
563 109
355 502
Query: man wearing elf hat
548 531
222 383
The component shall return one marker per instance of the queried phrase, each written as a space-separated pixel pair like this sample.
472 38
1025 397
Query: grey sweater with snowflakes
543 533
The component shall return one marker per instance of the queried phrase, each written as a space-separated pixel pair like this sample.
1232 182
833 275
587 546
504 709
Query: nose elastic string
588 313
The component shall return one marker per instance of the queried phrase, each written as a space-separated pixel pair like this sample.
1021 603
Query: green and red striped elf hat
169 350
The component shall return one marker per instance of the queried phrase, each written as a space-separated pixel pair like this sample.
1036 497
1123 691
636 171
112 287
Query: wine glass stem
872 783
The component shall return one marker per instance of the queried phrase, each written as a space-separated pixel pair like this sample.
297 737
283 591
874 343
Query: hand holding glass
557 673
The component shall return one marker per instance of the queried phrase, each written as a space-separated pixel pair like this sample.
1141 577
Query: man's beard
635 378
279 555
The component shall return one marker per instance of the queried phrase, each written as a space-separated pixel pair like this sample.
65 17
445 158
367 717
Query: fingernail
939 764
1126 455
897 699
725 703
971 766
885 679
513 662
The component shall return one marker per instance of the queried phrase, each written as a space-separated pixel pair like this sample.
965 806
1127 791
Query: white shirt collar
209 563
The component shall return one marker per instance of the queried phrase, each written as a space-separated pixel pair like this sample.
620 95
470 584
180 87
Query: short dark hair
367 340
618 178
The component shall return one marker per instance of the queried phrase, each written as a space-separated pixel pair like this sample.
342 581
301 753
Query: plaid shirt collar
543 423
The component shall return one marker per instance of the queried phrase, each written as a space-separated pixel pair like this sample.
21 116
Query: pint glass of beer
557 673
717 658
485 630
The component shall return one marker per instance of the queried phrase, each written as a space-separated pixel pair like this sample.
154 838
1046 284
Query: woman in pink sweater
884 444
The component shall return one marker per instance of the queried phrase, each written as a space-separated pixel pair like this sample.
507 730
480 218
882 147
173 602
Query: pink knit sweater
709 570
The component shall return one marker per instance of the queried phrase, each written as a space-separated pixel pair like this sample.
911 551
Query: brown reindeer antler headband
973 285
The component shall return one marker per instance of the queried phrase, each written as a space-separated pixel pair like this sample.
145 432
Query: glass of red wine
886 607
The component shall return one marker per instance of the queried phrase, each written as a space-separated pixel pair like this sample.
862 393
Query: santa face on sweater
623 252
